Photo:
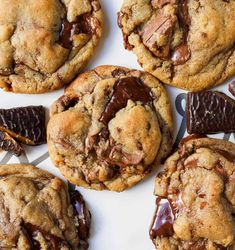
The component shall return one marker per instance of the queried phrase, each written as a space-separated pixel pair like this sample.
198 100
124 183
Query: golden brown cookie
111 128
188 44
38 211
195 197
45 43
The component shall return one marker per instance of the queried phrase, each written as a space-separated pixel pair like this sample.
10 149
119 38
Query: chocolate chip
8 143
231 87
129 88
210 112
26 124
162 225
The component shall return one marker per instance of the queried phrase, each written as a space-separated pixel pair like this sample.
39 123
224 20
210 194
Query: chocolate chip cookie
188 44
38 211
111 128
195 197
45 43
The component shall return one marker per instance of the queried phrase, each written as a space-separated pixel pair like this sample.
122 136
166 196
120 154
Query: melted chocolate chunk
26 124
119 72
66 102
82 214
83 24
8 143
231 87
30 231
162 225
210 112
182 53
126 88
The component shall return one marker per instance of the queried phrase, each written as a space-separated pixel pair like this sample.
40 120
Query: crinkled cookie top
37 212
186 43
110 128
196 203
44 43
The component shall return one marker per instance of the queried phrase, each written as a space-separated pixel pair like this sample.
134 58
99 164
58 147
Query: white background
120 221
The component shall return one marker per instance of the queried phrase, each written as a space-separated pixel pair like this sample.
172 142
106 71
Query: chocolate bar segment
210 112
8 143
25 124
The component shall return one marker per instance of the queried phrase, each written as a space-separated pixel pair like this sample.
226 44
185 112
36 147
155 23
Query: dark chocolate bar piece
25 124
210 112
8 143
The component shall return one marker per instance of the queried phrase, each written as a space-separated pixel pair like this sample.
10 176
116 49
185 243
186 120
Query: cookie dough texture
45 43
188 44
199 183
30 196
100 140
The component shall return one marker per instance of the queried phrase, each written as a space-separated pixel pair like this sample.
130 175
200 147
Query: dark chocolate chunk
25 124
163 25
65 102
162 225
83 216
83 24
181 54
231 87
30 231
126 88
210 112
8 143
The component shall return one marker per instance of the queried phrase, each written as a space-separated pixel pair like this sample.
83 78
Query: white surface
119 221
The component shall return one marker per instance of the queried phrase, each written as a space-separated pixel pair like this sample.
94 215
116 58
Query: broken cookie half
111 128
41 213
195 202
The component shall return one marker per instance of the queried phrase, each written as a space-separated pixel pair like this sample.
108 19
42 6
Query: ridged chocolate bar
8 143
210 112
25 124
